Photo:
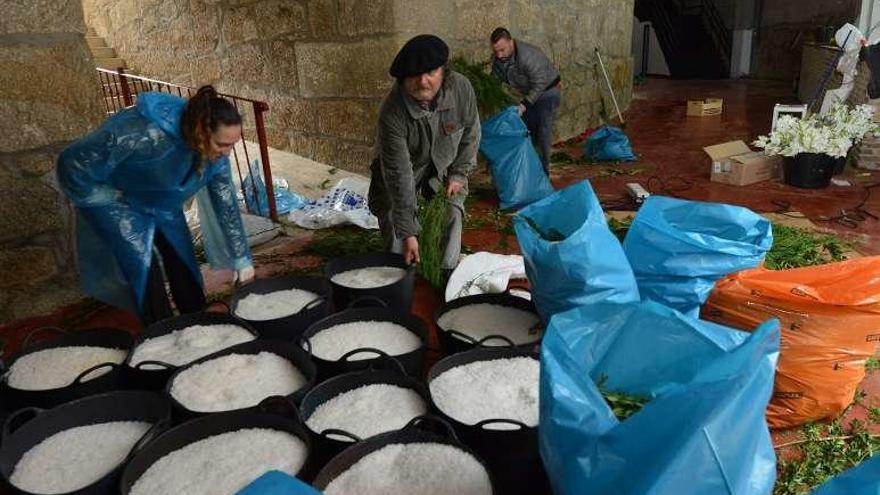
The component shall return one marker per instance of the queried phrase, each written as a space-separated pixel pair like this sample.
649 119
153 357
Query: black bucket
453 341
265 416
511 454
324 446
288 328
287 350
413 362
424 429
808 170
114 379
113 406
155 379
396 296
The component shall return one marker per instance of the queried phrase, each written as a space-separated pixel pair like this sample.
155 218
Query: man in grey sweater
526 69
426 144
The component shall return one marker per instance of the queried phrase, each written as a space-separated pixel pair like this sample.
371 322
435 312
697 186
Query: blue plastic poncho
130 178
678 249
278 483
703 432
516 168
588 266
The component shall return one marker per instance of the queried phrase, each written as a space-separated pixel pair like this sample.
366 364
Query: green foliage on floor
492 97
345 241
795 247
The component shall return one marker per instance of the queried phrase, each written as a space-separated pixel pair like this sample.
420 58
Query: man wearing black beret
427 141
525 68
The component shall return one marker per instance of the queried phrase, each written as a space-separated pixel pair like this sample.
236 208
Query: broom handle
610 89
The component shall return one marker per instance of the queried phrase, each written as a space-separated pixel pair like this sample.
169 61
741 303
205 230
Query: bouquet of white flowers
833 135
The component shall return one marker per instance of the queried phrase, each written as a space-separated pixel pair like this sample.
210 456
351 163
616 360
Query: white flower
834 134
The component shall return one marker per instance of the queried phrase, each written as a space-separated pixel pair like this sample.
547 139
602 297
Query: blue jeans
539 120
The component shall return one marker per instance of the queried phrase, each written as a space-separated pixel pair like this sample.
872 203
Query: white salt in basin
235 381
75 458
333 342
368 410
273 305
58 367
481 320
370 277
414 469
223 464
496 389
182 347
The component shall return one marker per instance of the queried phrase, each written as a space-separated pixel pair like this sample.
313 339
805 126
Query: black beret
421 54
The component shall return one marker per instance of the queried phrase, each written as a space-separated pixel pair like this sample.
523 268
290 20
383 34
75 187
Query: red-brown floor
669 146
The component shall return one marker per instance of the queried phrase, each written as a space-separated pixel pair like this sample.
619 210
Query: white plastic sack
485 273
345 203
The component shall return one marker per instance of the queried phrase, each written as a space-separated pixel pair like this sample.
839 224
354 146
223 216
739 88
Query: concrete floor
669 146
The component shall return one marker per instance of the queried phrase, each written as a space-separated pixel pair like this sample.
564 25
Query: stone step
96 42
103 52
110 63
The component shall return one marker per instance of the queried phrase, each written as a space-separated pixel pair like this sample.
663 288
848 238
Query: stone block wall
49 96
322 65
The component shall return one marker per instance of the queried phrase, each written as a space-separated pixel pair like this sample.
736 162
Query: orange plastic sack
830 322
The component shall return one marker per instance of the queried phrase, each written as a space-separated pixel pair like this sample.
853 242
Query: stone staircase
105 56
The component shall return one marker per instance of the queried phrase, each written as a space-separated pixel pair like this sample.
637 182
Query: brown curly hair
205 112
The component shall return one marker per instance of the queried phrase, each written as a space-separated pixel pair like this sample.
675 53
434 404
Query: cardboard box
734 163
705 108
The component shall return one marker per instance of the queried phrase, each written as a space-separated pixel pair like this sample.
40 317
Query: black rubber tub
129 405
397 295
113 379
413 362
290 327
808 170
511 453
453 341
324 445
274 414
424 429
153 375
287 350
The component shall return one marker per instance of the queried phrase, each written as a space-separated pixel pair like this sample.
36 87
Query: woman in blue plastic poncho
129 180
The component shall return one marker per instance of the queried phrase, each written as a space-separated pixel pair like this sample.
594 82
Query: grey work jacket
527 70
417 148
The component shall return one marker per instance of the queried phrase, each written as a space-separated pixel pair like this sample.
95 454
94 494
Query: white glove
244 275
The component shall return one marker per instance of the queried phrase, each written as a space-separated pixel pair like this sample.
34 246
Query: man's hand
521 109
411 250
453 187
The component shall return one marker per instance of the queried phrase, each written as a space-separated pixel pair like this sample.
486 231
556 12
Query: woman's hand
244 275
411 250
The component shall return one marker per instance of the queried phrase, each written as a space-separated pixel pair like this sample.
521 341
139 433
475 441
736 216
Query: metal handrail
120 90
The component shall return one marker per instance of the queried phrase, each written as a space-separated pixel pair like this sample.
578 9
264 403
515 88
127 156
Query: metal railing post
126 93
259 108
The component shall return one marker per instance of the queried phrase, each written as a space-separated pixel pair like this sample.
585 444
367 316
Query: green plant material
325 184
432 217
620 227
872 364
333 170
826 451
795 247
617 171
874 415
492 97
561 158
345 241
551 235
622 405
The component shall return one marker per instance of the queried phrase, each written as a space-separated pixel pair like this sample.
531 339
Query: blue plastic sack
863 479
515 166
285 201
588 266
678 249
278 483
608 144
702 433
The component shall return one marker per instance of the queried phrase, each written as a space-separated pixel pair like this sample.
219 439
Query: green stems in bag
432 217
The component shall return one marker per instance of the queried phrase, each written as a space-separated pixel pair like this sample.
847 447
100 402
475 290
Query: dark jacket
527 70
417 148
